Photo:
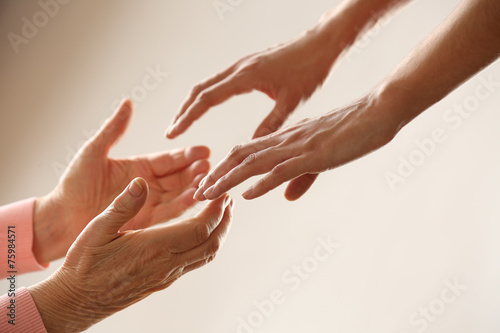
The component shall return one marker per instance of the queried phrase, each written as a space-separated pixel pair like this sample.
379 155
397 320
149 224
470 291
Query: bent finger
212 245
197 89
213 96
186 177
273 122
170 162
299 186
188 234
281 173
237 155
253 165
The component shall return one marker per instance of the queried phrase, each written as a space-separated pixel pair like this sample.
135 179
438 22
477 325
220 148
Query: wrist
345 23
60 308
342 25
48 233
399 102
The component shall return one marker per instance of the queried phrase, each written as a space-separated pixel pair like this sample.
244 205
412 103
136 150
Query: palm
93 180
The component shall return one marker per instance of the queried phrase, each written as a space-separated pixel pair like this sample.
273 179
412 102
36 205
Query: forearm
344 24
465 43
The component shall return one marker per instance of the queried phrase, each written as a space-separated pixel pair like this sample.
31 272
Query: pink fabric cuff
19 217
20 314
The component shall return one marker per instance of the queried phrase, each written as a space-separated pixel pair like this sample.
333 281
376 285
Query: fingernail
248 193
135 188
198 195
210 193
203 181
231 204
171 130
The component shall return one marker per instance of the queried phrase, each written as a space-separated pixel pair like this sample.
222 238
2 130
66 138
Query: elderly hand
93 180
107 270
308 147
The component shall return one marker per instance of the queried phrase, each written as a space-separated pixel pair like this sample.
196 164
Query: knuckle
196 89
211 179
215 246
119 208
202 233
250 159
279 170
276 122
222 182
205 97
312 144
250 66
236 151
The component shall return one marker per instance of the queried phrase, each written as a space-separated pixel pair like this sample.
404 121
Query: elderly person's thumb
104 228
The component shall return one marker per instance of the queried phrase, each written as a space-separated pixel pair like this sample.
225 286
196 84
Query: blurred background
420 255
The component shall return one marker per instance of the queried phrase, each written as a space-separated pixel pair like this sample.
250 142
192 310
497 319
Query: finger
198 89
174 208
215 95
281 173
112 129
197 180
125 207
298 186
237 155
283 108
173 161
253 165
186 177
209 248
197 264
188 234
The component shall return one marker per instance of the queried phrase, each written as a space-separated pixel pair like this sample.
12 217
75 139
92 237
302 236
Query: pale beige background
396 248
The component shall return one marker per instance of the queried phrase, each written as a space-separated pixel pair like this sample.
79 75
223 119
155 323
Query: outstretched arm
465 43
288 73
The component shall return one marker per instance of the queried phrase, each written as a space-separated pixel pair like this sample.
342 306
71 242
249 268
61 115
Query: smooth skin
464 44
106 270
289 73
93 179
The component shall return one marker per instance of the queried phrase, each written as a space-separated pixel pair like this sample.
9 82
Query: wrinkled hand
308 147
107 270
288 73
93 180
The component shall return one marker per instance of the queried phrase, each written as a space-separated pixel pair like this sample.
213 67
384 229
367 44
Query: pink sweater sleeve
25 319
18 217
